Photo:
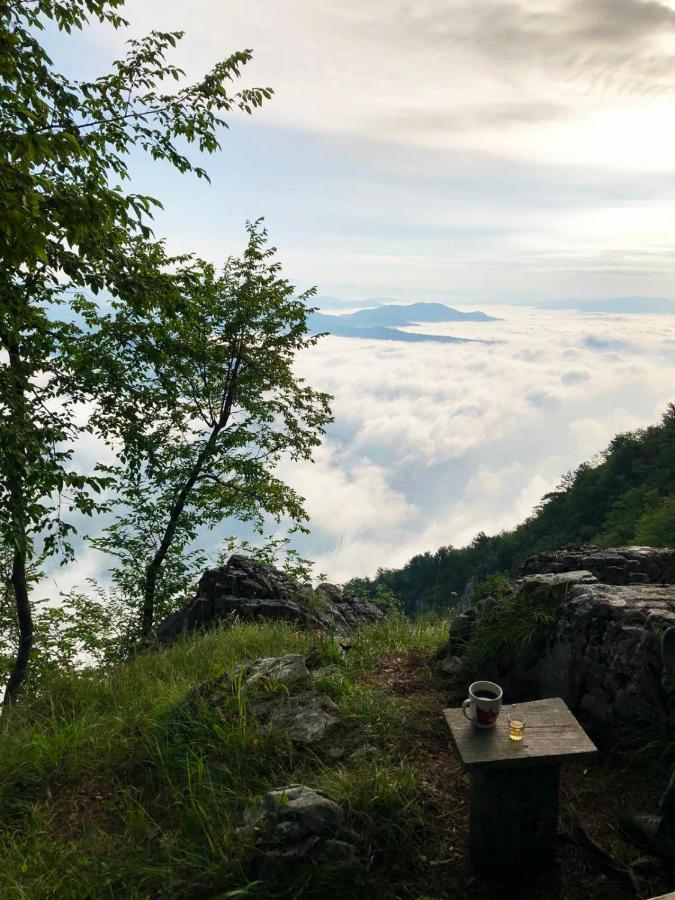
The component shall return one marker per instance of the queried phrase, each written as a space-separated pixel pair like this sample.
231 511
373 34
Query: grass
514 630
133 785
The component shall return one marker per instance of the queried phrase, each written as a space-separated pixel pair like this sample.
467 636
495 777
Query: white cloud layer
433 443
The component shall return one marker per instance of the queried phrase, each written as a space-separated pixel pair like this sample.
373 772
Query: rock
294 813
453 665
604 654
289 670
246 589
614 565
281 696
553 586
306 719
462 625
300 826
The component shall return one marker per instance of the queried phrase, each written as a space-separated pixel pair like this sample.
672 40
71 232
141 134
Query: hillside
626 496
139 784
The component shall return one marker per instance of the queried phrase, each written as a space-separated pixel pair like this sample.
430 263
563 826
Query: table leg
514 818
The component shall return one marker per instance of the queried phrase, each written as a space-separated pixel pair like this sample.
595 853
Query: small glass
516 725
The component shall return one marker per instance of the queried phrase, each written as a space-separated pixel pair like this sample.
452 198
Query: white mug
484 703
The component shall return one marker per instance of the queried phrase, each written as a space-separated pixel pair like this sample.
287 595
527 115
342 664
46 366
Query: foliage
499 585
622 498
656 526
67 226
217 406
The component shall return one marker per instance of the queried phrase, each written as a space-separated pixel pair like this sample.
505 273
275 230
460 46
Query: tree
656 526
213 373
67 225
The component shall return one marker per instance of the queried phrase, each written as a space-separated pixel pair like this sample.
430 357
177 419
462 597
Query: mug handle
467 705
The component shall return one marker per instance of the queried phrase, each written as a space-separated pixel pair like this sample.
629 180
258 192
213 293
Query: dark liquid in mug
485 695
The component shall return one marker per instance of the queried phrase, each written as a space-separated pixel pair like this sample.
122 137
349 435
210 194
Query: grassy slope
123 787
126 786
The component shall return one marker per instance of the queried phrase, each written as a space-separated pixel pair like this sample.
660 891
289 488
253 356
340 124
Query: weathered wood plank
552 735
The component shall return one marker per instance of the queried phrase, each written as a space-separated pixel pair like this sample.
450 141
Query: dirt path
594 795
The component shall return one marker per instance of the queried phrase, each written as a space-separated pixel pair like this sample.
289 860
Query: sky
473 149
478 152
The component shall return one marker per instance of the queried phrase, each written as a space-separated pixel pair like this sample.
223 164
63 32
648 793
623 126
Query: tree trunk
153 569
17 510
20 586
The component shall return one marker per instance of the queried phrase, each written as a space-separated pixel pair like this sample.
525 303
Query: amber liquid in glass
516 729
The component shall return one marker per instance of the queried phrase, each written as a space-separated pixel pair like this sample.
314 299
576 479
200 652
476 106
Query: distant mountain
383 322
618 305
413 314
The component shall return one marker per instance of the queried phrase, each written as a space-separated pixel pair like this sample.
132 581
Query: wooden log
514 819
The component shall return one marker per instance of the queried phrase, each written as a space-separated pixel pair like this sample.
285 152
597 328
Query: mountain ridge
385 322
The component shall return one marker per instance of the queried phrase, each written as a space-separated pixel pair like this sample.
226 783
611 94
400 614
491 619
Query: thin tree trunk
23 611
19 537
153 569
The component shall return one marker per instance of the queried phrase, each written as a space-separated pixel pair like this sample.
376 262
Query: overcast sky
479 149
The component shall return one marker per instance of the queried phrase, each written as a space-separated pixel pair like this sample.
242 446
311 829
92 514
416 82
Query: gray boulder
287 671
246 589
306 719
297 826
282 696
294 813
608 652
604 653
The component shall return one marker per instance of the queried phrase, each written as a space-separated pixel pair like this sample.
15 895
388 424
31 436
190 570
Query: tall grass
133 784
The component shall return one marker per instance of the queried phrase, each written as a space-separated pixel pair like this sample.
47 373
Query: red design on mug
486 716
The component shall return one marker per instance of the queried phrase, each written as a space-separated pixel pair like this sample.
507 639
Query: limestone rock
614 565
293 814
554 586
284 697
297 826
305 719
288 671
603 653
246 589
453 665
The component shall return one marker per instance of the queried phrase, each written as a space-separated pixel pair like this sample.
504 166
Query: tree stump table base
515 785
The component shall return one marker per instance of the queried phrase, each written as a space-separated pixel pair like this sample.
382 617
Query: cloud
433 443
468 438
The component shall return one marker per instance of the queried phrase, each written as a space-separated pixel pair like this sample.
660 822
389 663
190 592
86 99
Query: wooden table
515 785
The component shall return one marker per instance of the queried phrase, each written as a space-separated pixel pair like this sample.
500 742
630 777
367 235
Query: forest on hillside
626 495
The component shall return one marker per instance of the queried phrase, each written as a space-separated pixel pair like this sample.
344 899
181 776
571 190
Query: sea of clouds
433 442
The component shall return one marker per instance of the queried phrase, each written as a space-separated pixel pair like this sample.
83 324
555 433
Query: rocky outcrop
283 696
604 657
615 565
296 824
605 652
246 589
